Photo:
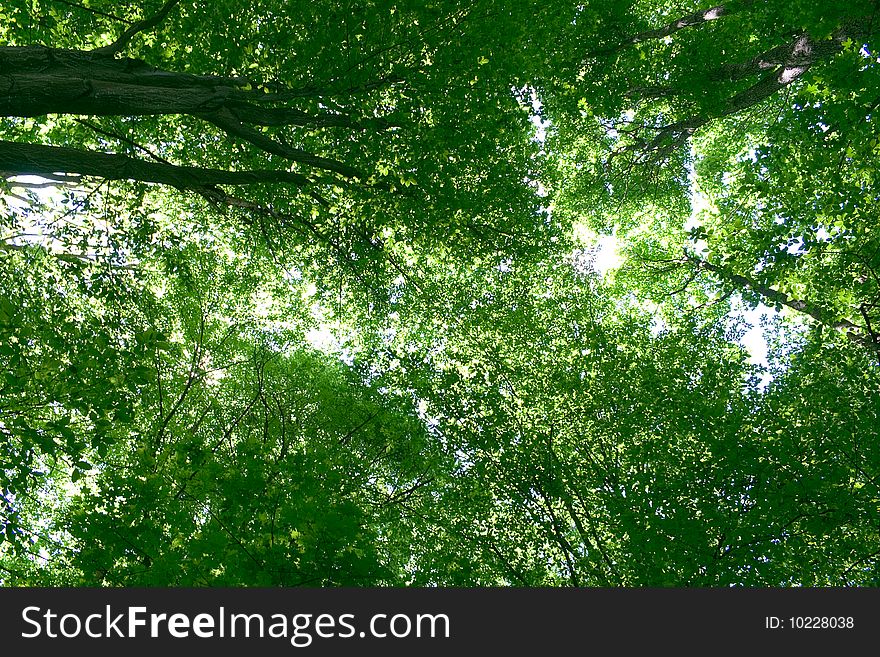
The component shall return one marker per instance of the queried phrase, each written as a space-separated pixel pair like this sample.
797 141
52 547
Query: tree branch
694 19
851 331
779 67
226 121
69 256
93 11
141 26
691 20
40 160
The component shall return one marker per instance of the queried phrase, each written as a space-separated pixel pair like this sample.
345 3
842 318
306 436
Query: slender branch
399 496
68 256
851 331
217 195
567 550
588 537
123 139
864 311
45 185
344 439
857 563
192 377
685 285
226 121
56 179
93 11
141 26
234 537
505 563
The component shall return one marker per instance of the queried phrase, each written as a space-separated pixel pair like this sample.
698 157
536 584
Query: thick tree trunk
35 81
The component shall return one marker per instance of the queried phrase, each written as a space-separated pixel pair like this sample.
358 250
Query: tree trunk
36 81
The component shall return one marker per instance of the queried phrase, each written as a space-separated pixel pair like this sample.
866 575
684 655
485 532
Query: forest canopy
439 293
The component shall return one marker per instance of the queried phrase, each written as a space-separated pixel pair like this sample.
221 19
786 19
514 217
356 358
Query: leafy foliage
438 293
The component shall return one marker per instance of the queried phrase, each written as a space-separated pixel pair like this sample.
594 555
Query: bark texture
47 161
36 81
